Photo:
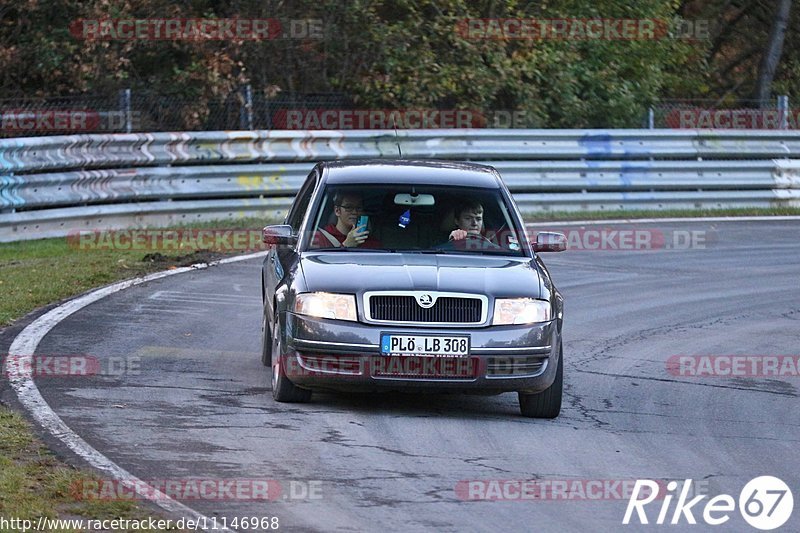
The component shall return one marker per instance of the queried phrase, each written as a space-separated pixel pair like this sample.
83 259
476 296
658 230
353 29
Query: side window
298 211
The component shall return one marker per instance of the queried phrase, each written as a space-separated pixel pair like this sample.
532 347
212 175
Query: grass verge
34 484
40 272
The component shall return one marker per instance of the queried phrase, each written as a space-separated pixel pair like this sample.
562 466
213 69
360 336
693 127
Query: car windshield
415 218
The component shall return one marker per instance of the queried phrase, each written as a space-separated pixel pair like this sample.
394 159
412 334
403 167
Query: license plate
429 345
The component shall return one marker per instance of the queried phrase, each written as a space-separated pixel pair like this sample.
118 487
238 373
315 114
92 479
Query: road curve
199 406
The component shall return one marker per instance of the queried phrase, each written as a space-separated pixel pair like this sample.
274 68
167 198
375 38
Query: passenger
347 207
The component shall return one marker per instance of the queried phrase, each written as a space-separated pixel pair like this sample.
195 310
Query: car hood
354 272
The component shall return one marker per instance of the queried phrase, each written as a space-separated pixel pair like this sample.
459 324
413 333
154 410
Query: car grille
514 366
447 309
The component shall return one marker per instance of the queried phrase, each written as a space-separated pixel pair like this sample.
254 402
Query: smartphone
362 221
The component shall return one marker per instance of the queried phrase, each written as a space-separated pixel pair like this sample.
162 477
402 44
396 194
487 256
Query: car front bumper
335 354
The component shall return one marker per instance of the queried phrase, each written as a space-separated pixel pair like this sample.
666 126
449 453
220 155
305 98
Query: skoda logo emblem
425 301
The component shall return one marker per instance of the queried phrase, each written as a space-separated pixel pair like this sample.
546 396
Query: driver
469 219
468 216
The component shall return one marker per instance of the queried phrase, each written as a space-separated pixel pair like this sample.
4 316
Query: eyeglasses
351 208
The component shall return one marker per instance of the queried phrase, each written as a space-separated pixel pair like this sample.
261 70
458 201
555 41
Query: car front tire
545 404
283 390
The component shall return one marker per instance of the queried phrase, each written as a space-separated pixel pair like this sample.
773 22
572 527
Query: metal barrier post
125 109
246 111
783 110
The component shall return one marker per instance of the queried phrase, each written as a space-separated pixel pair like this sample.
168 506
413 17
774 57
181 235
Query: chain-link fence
249 108
740 114
130 111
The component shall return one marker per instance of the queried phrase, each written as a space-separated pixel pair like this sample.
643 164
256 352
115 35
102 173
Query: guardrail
52 185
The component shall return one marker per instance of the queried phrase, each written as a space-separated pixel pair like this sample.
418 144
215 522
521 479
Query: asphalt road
200 404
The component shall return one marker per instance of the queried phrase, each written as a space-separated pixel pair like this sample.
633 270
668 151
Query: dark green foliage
402 54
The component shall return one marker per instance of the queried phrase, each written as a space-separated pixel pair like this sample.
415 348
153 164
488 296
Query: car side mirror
550 241
279 235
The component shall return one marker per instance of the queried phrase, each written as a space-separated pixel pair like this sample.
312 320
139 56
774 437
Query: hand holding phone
358 233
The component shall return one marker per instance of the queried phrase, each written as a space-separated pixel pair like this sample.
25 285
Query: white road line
24 346
199 299
175 311
169 295
164 294
191 296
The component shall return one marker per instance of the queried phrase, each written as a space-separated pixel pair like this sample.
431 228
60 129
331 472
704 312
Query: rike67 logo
765 503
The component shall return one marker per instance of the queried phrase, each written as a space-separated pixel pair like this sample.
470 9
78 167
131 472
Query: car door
281 261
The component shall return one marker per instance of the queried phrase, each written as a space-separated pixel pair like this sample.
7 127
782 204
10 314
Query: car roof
397 171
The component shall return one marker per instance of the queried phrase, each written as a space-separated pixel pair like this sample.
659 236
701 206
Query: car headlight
326 305
520 311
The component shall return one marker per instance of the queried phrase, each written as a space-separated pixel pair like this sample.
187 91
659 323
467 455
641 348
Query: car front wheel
545 404
283 390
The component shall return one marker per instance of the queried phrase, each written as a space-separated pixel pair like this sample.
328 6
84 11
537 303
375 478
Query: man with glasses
347 207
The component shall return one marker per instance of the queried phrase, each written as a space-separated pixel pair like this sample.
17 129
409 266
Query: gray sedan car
414 276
